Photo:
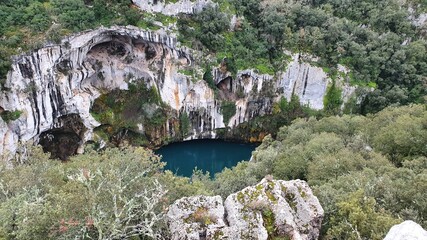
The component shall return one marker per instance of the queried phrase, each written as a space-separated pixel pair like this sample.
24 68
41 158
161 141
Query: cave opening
65 138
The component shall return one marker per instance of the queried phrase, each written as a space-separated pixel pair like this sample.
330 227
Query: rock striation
172 8
58 80
272 208
408 230
51 85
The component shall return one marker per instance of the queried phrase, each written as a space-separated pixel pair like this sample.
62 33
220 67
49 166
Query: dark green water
206 155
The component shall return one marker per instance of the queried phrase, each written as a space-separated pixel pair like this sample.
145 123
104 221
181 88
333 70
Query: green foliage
96 195
207 76
367 172
228 110
124 109
73 14
243 48
184 124
333 99
9 116
205 26
361 217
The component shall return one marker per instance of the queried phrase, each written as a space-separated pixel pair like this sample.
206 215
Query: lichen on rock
272 208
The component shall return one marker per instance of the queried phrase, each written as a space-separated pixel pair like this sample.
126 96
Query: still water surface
207 155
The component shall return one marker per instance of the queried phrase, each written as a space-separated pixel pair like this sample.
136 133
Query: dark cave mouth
60 144
64 140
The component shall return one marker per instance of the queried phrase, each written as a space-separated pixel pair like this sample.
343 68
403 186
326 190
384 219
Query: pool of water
207 155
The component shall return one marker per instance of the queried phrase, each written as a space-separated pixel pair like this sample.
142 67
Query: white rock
63 79
308 82
195 217
181 6
408 230
279 208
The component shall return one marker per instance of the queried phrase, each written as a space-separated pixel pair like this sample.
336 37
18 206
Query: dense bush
368 172
228 110
114 194
124 109
8 116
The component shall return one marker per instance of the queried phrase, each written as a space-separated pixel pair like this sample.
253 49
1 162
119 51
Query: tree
184 123
74 14
110 195
358 218
333 99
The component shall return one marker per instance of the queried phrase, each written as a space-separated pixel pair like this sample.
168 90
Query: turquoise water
207 155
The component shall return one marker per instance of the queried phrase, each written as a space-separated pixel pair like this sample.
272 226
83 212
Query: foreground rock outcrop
408 230
272 208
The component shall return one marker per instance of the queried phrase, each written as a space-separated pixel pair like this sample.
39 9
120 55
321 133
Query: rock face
61 80
272 208
172 8
408 230
309 83
195 217
64 79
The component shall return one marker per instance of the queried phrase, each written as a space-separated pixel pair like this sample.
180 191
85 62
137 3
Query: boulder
408 230
272 208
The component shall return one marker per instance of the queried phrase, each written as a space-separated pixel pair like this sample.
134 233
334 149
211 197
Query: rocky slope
272 208
58 84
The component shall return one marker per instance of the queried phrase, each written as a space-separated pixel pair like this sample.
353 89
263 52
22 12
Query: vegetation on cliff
375 39
368 172
121 111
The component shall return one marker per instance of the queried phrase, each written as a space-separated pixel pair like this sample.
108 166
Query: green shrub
184 123
9 116
228 110
333 99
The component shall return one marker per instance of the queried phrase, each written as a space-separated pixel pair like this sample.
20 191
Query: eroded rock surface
172 8
272 208
65 79
408 230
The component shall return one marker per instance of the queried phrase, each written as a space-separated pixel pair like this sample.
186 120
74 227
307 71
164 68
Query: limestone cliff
267 210
173 7
59 80
52 90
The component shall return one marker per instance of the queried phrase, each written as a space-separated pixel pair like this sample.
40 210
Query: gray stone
270 208
408 230
171 9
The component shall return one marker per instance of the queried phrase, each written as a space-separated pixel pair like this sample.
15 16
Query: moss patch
123 111
9 116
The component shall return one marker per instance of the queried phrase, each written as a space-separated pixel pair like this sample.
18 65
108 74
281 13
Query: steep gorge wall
63 80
